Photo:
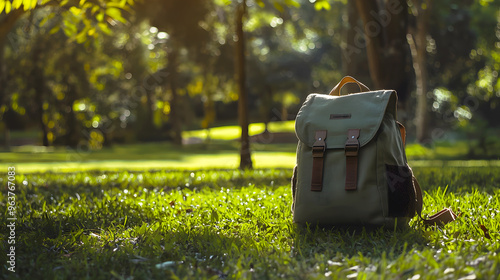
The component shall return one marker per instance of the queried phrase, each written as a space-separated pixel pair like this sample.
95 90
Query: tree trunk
384 34
245 156
418 44
175 115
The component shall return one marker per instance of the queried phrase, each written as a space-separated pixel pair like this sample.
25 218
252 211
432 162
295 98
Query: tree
93 15
384 36
180 20
245 156
7 21
241 76
417 39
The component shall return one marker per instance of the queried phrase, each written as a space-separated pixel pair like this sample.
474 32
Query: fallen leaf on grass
486 231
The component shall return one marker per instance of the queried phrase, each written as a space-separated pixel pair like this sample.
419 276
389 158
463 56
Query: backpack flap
338 114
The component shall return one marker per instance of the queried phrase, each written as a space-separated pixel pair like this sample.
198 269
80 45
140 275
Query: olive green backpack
351 163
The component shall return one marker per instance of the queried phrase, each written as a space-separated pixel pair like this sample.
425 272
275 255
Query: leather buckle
352 143
319 147
318 151
351 150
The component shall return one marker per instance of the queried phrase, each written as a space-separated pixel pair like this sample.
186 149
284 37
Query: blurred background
110 79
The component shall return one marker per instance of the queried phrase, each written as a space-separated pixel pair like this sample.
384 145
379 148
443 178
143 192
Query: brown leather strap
351 157
347 80
441 218
402 130
318 154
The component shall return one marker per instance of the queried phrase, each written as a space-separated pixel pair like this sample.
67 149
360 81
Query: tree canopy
93 73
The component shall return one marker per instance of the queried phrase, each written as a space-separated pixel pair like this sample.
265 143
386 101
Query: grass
234 132
229 224
224 161
221 151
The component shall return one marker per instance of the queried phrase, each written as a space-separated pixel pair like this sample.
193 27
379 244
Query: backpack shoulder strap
440 218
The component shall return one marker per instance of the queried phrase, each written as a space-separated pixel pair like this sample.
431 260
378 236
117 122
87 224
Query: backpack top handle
347 80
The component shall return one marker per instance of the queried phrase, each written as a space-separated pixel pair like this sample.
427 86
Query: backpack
351 164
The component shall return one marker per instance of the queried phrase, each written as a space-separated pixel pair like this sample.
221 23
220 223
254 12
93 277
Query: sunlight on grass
192 162
234 132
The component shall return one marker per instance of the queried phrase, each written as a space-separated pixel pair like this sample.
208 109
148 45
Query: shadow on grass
373 242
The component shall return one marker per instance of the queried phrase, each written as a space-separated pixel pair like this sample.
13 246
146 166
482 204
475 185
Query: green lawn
218 154
221 150
158 211
234 132
230 224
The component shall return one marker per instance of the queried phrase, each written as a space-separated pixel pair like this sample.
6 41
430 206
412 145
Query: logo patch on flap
340 116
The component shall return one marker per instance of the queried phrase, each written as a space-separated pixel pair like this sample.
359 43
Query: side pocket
401 193
294 187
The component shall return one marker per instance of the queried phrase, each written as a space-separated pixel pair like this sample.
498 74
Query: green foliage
76 12
120 85
237 224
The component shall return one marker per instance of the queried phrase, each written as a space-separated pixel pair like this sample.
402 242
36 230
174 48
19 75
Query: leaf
7 7
292 3
100 17
75 11
82 36
114 13
485 231
278 7
323 4
17 3
94 10
47 18
69 28
54 29
104 28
